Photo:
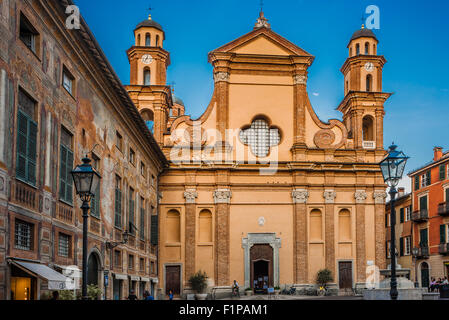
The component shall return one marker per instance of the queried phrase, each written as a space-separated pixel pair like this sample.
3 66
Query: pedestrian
433 283
147 296
55 295
132 296
170 295
445 281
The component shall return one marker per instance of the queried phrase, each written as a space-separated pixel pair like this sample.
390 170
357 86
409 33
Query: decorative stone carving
222 196
360 196
380 197
324 139
221 76
190 195
300 196
261 221
3 184
47 200
329 196
300 79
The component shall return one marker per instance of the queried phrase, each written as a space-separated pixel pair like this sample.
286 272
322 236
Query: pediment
262 41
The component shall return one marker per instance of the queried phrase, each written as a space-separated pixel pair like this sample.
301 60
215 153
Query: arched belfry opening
368 128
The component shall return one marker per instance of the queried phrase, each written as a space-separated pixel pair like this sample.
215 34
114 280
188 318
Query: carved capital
360 196
380 197
300 196
221 76
222 196
190 195
300 79
329 196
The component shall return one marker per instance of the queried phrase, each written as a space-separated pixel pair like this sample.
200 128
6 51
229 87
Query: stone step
345 293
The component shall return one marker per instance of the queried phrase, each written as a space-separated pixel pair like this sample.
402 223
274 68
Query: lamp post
415 252
86 181
392 167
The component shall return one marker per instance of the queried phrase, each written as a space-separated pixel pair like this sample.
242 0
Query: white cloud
316 94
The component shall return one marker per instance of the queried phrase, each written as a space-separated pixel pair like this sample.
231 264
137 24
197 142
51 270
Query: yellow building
259 189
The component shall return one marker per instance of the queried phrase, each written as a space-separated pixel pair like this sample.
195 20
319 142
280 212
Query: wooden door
345 275
425 275
173 279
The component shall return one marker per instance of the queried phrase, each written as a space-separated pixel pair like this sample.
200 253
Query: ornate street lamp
86 181
392 167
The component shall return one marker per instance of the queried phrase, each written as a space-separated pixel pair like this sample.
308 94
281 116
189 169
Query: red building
430 203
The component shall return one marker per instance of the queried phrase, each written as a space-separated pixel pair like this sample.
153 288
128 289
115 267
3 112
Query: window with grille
118 202
66 167
64 245
260 137
23 236
27 131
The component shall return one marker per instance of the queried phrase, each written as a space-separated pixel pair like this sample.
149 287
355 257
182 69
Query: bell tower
363 105
148 89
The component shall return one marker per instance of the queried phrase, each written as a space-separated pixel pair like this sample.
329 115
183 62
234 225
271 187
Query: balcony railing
25 195
420 216
369 145
423 253
443 209
444 248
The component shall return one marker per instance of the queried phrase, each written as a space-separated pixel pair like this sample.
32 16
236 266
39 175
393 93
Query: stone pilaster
360 198
3 91
300 101
222 198
300 261
329 199
190 226
222 88
379 211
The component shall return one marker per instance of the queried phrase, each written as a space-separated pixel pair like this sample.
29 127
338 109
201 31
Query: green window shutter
423 203
447 195
442 172
423 238
443 233
401 247
65 176
62 173
22 142
416 182
69 180
386 221
154 230
95 203
32 154
131 217
429 178
118 208
402 215
142 223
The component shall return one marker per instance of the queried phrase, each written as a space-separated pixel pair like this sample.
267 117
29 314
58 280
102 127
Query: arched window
173 232
157 41
205 226
344 225
147 40
146 77
138 40
368 128
357 49
316 225
366 48
369 83
350 52
374 49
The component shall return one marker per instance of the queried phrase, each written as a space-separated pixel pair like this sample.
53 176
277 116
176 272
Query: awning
56 280
134 278
155 280
120 276
143 279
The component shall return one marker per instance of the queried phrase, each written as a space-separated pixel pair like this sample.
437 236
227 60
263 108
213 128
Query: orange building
430 201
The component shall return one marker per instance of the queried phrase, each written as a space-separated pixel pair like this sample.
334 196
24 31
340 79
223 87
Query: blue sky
413 38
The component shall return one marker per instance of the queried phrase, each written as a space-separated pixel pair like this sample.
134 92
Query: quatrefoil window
260 137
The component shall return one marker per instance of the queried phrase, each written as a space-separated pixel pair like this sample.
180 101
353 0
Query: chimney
437 153
401 192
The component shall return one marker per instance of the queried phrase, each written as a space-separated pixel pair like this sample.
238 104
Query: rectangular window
402 215
132 156
64 245
95 201
119 141
408 213
27 132
118 202
423 239
142 169
423 203
154 230
443 233
28 34
152 180
401 247
417 182
426 180
131 220
142 264
23 236
443 172
67 80
66 167
407 246
142 219
131 262
117 258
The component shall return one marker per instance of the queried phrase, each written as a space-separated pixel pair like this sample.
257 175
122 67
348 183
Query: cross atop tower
262 21
150 9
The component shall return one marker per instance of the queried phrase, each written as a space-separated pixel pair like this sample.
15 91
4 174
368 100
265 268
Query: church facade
259 189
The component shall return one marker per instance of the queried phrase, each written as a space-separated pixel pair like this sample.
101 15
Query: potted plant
249 291
324 276
198 283
277 290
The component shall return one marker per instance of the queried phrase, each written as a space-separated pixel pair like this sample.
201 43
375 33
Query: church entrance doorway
261 268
